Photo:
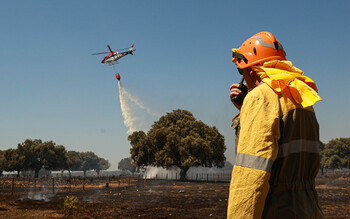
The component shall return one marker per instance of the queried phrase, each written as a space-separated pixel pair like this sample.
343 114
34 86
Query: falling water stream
129 119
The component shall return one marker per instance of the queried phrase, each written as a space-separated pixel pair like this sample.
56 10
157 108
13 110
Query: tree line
33 155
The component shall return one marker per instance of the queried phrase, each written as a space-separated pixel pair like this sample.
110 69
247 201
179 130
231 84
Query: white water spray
130 120
138 103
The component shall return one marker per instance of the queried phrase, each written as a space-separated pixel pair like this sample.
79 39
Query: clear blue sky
52 88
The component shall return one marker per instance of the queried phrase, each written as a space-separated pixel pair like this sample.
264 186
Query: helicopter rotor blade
122 49
126 48
99 53
111 51
109 48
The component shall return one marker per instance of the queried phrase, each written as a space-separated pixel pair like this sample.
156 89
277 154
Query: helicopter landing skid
113 63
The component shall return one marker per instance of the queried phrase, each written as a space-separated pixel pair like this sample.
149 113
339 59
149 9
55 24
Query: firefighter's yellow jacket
277 158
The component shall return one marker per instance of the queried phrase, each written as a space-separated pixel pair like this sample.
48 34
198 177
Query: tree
26 149
178 139
90 161
336 153
102 165
13 160
27 158
35 154
74 161
21 158
57 157
48 156
334 162
127 164
141 153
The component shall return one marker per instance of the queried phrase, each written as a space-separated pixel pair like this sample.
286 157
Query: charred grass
135 198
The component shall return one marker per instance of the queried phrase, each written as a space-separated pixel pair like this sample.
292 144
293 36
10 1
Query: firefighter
277 156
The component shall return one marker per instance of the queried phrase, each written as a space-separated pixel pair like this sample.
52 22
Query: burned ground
135 198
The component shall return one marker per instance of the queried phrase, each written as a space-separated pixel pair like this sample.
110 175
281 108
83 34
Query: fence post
53 185
83 183
34 184
12 184
196 176
70 184
207 177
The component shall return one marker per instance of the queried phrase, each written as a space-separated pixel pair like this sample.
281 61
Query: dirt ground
133 198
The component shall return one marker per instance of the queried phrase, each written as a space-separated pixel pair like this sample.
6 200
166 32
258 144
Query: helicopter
113 56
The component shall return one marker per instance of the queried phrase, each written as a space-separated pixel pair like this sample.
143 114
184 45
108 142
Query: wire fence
45 187
207 177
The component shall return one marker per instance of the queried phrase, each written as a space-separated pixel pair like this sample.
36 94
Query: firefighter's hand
235 91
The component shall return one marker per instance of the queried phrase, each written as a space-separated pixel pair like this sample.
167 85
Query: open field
136 198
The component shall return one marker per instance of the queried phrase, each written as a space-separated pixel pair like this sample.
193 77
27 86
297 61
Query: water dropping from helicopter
130 105
129 118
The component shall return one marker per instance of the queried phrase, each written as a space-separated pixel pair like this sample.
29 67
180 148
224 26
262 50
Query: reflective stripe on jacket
277 159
